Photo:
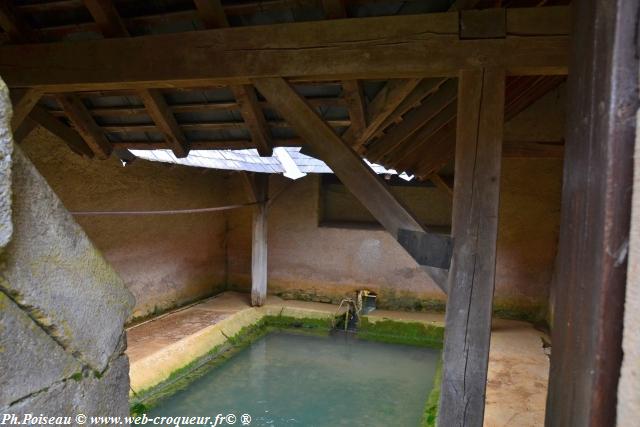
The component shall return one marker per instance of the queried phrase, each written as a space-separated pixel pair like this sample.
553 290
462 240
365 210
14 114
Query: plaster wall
164 260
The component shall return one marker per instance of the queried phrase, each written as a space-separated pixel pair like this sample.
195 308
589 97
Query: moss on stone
394 332
431 407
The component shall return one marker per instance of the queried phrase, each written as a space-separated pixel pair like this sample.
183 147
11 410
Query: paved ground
518 366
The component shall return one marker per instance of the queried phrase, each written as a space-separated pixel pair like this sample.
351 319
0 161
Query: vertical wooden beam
354 97
254 118
595 216
23 106
258 186
82 120
107 18
365 185
163 117
475 229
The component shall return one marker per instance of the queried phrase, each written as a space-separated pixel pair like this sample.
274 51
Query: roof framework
180 75
384 88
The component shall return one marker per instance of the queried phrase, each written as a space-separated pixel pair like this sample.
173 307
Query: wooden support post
365 185
475 228
258 185
594 225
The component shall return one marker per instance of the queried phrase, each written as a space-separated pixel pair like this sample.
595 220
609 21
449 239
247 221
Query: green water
287 379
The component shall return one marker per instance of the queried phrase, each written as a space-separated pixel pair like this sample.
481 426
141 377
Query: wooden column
594 226
258 185
475 227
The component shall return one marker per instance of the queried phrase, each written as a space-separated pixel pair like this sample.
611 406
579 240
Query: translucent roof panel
288 161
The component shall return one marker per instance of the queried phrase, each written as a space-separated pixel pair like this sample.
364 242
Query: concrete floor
518 365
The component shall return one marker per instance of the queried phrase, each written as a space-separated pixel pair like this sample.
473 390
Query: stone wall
62 306
164 260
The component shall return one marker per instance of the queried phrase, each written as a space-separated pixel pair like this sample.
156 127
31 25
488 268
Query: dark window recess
339 208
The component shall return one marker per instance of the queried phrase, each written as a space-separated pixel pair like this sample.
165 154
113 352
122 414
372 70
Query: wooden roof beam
383 105
367 48
365 185
254 118
356 104
85 125
107 18
413 121
163 118
212 13
73 140
14 26
23 106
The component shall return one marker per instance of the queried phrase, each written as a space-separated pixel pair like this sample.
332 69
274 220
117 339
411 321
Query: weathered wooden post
475 228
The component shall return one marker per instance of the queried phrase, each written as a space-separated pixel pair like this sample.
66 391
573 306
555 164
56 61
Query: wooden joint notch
428 249
483 24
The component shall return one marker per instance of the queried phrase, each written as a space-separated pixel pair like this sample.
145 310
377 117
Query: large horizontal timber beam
365 185
409 46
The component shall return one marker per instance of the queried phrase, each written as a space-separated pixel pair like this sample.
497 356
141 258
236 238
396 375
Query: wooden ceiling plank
107 18
352 92
254 119
163 118
366 48
84 124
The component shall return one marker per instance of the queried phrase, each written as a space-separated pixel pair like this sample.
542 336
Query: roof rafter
413 120
254 118
14 26
85 125
107 18
213 16
165 120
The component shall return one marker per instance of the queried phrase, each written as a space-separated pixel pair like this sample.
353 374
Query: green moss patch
431 407
394 332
